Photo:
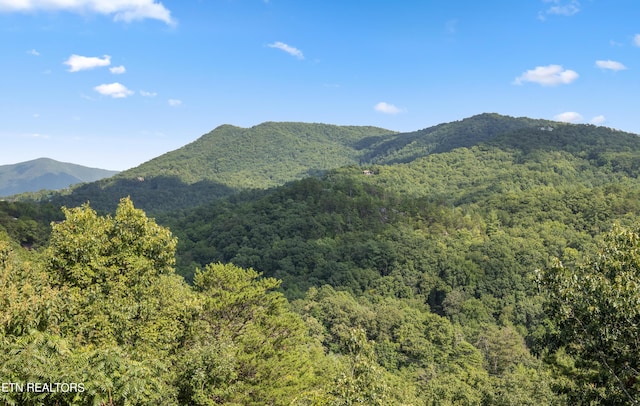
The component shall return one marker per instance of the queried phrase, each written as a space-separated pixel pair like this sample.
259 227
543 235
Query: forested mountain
517 178
45 173
444 137
231 159
489 261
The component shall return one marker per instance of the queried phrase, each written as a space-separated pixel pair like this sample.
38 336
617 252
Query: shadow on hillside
371 142
154 195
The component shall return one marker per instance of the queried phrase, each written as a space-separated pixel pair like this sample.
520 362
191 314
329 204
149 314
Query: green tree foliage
117 280
249 348
103 307
596 306
362 382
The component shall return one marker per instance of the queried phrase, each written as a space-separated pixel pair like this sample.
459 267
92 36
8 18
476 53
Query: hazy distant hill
45 173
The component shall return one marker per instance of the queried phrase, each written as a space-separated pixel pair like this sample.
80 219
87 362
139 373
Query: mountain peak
45 173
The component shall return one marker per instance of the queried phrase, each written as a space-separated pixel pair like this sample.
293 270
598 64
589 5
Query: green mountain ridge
267 154
444 137
230 159
45 173
227 160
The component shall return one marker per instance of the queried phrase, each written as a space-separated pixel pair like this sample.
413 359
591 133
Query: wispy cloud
121 10
610 65
451 26
148 94
550 75
174 102
560 7
115 90
387 108
288 49
37 136
118 70
568 117
77 62
636 40
597 120
33 52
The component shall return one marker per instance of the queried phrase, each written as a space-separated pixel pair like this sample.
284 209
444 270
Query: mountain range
46 174
230 159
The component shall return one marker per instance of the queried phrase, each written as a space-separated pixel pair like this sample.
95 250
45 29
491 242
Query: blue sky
114 83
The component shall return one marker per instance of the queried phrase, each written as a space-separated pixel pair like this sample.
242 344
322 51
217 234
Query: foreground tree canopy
102 311
597 309
102 307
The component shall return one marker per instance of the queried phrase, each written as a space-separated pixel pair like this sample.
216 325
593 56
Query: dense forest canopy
490 261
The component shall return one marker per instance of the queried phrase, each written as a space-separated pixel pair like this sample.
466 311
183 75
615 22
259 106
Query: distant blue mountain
45 173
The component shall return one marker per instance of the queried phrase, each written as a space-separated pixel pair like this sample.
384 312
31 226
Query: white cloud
33 52
568 117
118 70
122 10
560 7
611 65
566 10
174 102
636 40
387 108
288 49
550 75
115 90
77 62
148 94
597 120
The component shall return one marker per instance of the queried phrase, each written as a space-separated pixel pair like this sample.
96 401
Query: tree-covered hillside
461 233
579 178
230 159
266 155
493 267
445 137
